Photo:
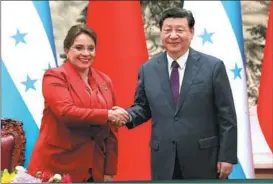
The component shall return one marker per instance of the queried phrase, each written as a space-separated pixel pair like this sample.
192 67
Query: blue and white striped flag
28 50
218 32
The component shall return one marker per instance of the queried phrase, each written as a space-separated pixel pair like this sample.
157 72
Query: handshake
118 116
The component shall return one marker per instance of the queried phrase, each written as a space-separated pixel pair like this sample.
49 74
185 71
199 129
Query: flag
27 51
218 32
265 98
120 51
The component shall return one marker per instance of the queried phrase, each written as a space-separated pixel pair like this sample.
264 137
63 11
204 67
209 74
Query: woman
75 135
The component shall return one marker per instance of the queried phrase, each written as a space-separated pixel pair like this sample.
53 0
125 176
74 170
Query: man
188 96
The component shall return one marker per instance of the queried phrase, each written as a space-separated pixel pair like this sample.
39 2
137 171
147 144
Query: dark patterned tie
175 81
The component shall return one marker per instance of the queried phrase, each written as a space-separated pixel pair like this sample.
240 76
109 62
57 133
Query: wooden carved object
15 128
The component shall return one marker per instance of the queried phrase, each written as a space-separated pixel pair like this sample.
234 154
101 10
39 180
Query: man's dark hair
177 13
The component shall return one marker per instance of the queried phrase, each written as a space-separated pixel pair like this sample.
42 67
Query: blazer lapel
163 75
77 84
104 88
191 70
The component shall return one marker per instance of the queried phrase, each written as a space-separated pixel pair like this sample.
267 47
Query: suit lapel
77 84
103 87
163 75
191 70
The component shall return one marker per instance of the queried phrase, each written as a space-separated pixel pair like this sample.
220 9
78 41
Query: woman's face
82 52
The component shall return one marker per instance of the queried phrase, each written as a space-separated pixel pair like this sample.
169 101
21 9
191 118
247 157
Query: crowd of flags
28 50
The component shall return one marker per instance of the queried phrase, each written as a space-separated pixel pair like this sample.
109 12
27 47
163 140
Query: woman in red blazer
75 135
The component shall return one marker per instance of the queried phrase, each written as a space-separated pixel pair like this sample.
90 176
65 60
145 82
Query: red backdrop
121 49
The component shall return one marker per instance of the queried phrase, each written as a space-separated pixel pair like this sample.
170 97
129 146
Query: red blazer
74 134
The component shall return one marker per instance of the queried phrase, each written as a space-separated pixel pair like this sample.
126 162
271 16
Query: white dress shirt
181 69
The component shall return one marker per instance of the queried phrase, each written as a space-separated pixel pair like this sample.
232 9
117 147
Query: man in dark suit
188 96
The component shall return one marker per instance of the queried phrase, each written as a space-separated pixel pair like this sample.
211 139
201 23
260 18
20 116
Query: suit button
173 142
176 118
92 137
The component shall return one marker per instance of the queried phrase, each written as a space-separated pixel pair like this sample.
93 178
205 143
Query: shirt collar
181 60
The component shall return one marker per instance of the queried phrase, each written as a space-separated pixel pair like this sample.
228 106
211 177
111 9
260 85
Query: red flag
265 100
121 49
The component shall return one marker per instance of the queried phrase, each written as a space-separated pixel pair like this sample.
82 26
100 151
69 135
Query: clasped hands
118 116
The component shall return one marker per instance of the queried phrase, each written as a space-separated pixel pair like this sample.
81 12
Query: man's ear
192 32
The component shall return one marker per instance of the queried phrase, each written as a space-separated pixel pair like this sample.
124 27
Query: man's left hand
108 178
224 169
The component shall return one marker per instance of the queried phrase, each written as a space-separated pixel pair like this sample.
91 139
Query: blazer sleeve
57 96
140 111
111 156
227 120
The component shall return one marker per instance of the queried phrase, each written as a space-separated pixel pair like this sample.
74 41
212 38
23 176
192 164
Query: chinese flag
265 100
121 49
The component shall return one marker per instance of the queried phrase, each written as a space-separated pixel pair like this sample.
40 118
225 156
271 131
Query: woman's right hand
118 117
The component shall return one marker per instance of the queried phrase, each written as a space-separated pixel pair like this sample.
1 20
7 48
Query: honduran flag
218 32
27 52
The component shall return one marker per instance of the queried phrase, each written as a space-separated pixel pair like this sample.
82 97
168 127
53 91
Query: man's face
176 36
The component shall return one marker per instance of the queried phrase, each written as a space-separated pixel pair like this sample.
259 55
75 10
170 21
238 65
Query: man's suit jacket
202 126
74 134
